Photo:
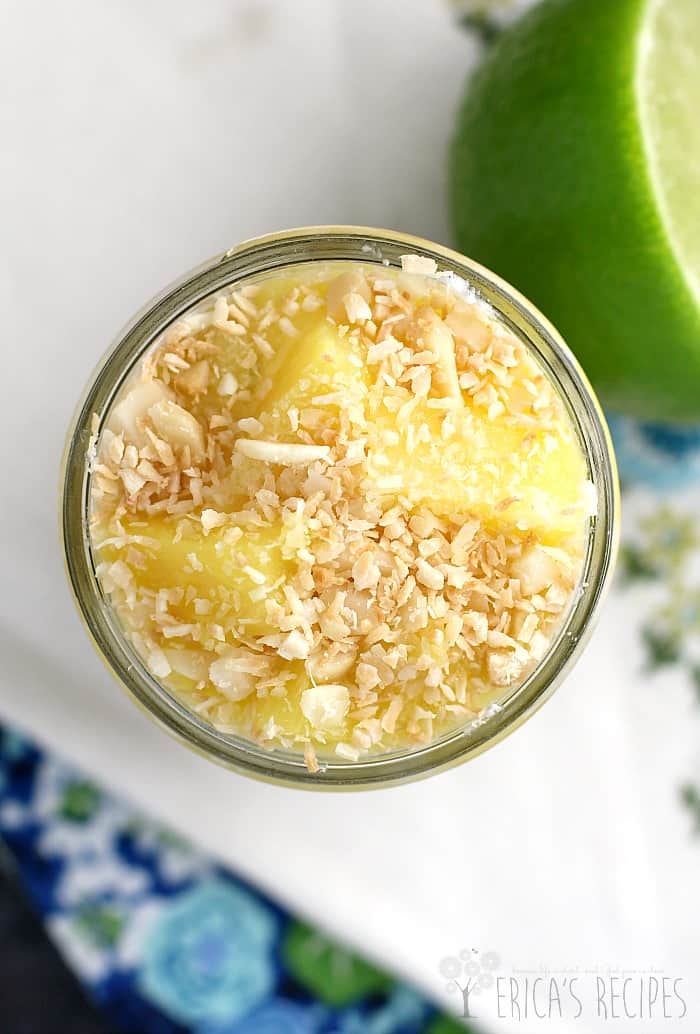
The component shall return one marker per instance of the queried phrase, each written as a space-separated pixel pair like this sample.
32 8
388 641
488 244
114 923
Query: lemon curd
341 510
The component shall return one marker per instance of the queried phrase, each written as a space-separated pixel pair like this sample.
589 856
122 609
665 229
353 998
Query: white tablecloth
137 140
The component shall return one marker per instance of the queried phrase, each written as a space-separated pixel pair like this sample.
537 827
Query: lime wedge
668 89
575 174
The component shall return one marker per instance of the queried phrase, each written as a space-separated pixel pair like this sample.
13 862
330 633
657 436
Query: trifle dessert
340 509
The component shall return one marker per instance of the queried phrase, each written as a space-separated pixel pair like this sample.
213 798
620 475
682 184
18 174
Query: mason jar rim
266 255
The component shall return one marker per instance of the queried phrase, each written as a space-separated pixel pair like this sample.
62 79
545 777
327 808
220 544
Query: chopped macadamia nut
325 706
357 308
177 426
226 675
332 663
340 511
128 418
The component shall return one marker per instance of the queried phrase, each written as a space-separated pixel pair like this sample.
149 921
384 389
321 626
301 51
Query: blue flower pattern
208 957
163 939
658 456
278 1016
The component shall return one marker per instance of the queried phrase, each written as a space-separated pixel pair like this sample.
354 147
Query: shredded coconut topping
340 512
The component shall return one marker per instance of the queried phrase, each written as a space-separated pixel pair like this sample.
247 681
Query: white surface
137 140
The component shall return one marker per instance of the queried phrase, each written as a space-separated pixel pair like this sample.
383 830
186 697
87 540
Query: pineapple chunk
502 473
249 567
318 362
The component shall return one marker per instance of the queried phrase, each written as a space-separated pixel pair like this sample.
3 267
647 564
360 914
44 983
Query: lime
575 174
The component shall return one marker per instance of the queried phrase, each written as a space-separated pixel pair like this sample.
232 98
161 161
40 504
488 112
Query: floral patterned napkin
163 939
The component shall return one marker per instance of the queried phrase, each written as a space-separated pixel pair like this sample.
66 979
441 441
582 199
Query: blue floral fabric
656 455
164 940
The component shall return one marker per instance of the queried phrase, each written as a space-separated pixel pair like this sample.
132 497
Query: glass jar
266 255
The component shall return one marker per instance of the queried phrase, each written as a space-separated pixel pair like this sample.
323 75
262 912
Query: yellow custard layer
340 511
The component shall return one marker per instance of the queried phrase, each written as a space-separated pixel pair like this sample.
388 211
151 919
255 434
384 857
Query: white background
137 139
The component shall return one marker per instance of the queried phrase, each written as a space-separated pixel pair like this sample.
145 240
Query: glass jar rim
265 255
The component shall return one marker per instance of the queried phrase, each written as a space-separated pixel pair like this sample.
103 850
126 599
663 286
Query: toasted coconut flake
286 454
590 499
180 631
310 758
429 576
470 328
365 572
228 385
391 715
503 668
287 327
133 482
220 310
352 282
418 264
255 576
211 519
294 647
189 663
232 328
249 425
476 627
347 752
158 664
367 676
388 346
